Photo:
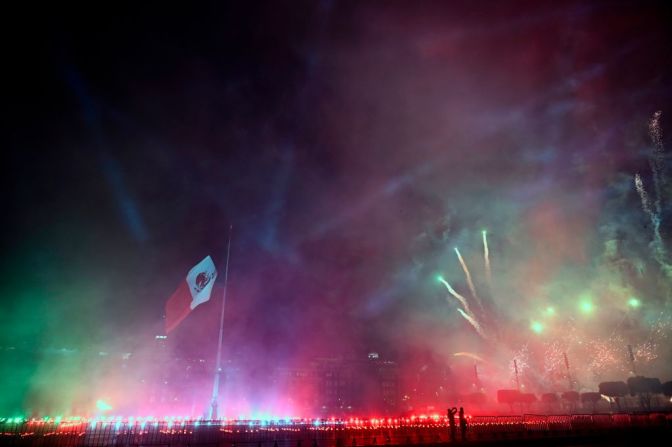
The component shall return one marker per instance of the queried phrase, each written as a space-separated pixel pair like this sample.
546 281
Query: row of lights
240 422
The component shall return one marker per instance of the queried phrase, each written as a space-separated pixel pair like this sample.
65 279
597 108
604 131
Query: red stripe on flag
177 307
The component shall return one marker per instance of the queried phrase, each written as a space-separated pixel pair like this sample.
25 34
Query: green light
102 405
586 306
634 302
439 278
537 327
550 311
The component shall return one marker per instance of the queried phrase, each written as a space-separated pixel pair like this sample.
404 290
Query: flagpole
218 366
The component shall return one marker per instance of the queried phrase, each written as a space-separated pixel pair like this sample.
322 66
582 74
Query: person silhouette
451 423
463 425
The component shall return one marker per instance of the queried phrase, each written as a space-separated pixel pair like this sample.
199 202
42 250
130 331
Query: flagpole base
213 410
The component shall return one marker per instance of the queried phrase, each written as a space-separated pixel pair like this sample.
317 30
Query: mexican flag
194 290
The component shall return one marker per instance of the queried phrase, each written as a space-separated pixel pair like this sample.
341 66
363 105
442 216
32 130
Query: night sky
352 146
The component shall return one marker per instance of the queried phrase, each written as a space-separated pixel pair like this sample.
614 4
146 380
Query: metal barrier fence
328 433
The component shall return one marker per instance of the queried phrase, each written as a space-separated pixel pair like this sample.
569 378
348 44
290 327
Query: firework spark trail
474 323
658 247
472 289
646 206
646 352
662 328
459 297
486 258
470 355
554 361
522 362
605 356
656 162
